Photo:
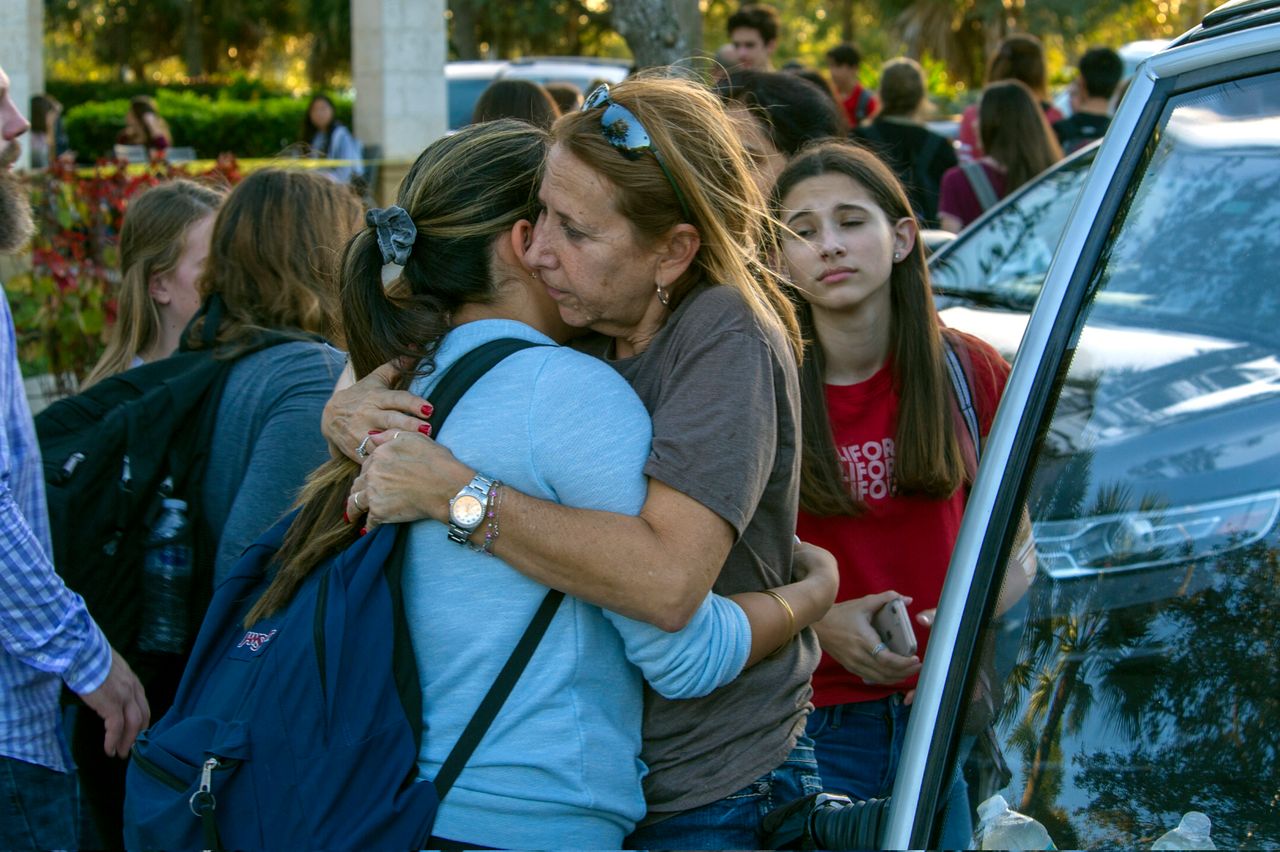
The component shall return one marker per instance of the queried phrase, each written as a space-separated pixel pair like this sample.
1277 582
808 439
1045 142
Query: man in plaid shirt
46 634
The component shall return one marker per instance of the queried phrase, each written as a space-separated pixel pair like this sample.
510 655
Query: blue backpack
303 731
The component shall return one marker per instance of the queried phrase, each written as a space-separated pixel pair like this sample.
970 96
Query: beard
16 226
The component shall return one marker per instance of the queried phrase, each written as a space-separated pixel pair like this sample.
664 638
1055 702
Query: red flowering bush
63 307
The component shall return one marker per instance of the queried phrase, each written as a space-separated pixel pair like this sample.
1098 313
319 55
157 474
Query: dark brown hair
760 17
929 462
1020 57
901 87
522 99
463 192
1015 132
273 259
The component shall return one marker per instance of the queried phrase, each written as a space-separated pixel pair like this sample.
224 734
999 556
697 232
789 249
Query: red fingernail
375 431
345 519
363 530
425 429
427 409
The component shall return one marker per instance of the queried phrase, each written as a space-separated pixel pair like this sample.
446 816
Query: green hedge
246 128
75 92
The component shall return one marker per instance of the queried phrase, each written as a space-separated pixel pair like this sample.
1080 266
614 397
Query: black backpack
112 453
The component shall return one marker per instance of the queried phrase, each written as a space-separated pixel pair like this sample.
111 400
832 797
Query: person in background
916 154
163 246
860 104
817 78
753 32
329 139
144 126
567 96
48 139
1100 71
521 99
1019 143
49 638
1019 57
776 114
886 468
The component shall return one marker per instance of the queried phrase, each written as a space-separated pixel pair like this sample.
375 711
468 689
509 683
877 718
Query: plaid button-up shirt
47 635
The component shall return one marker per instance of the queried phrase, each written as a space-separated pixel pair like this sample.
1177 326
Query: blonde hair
155 227
689 127
274 257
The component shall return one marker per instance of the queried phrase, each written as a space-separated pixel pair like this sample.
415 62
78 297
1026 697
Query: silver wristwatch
468 507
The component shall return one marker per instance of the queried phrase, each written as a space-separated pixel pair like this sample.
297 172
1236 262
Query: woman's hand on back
847 635
407 477
370 405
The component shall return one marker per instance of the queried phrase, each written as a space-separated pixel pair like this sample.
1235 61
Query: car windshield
1001 261
1139 677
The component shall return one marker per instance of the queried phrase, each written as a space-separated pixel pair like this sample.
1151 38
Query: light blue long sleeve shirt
560 767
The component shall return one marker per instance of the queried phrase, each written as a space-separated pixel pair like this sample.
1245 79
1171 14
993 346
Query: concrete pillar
22 53
398 51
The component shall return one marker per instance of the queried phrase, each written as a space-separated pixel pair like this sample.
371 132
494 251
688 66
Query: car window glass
1138 678
1004 259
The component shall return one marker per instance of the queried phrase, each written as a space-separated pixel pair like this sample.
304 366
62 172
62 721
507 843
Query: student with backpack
1101 70
892 407
1019 145
860 103
916 154
236 458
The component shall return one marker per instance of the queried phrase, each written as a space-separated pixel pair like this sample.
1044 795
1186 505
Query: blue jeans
38 806
858 747
734 821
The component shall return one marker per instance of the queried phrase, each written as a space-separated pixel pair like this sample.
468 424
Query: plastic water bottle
166 582
1001 827
1191 833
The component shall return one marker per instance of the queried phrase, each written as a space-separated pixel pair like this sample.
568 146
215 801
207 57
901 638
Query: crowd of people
736 440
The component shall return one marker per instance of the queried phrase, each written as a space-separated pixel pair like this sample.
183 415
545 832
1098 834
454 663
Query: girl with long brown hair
1019 144
163 246
884 471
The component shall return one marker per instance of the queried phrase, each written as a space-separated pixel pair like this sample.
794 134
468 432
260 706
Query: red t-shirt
870 107
900 543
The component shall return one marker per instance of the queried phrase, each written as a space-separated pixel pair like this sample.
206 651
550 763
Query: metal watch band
479 488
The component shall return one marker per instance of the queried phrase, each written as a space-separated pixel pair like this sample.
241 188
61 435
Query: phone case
893 624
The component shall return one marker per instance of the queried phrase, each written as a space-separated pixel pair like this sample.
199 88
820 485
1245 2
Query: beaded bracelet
491 525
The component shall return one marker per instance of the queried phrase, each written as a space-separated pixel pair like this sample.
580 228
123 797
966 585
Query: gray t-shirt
725 401
267 439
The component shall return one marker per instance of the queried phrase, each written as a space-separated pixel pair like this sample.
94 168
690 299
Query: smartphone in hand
894 626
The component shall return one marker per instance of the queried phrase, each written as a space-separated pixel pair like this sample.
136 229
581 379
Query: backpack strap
863 107
498 693
962 395
981 184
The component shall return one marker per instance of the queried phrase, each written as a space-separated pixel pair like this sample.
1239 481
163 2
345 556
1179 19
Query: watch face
466 511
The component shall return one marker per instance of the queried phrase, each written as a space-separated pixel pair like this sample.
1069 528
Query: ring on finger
355 501
877 649
362 451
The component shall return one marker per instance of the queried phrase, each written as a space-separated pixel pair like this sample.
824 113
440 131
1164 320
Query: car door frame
968 595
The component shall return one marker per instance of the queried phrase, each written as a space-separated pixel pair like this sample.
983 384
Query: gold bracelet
791 619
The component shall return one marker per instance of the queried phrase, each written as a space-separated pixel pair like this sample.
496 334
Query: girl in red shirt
883 470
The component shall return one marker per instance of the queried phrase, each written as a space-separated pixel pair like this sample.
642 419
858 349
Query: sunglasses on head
624 132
